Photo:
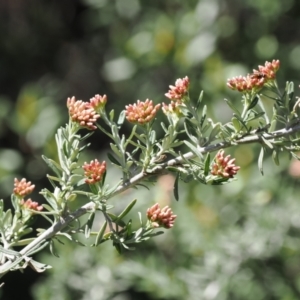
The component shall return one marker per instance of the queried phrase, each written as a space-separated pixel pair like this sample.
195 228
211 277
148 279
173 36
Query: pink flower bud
161 217
94 171
82 113
180 89
224 166
22 188
141 112
29 204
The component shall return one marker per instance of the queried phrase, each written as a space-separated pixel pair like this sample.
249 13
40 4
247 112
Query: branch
65 221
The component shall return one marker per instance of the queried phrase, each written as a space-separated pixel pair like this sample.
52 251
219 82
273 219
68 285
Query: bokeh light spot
266 46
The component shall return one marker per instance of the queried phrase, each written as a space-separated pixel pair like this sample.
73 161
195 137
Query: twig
63 222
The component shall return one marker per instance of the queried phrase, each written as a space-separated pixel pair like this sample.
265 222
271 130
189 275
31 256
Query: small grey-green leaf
116 150
127 209
113 159
88 225
199 100
268 143
115 131
230 104
121 118
152 137
275 156
214 132
260 160
253 103
236 123
193 149
7 219
37 266
111 115
100 234
207 164
54 166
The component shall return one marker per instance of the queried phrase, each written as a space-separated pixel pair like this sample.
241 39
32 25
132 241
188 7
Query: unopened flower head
180 90
22 188
98 102
82 113
141 112
269 69
256 80
94 171
224 166
161 217
29 204
246 83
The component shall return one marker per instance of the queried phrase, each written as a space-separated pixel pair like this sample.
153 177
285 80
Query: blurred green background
239 241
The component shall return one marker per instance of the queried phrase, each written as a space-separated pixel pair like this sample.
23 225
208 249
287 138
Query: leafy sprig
186 126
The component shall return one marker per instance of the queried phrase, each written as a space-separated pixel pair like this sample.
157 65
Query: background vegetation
239 241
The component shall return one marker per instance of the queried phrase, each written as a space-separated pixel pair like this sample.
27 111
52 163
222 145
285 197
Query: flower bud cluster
82 113
246 83
94 171
180 90
161 217
257 79
224 166
268 71
98 102
22 188
177 96
141 112
29 204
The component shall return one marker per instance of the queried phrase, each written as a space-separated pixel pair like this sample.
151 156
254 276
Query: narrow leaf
152 137
1 208
54 166
115 131
275 156
193 149
37 266
207 164
266 142
236 123
115 219
100 234
253 103
116 150
214 132
50 197
111 115
199 100
230 104
7 219
127 209
176 193
121 118
88 225
260 160
113 159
